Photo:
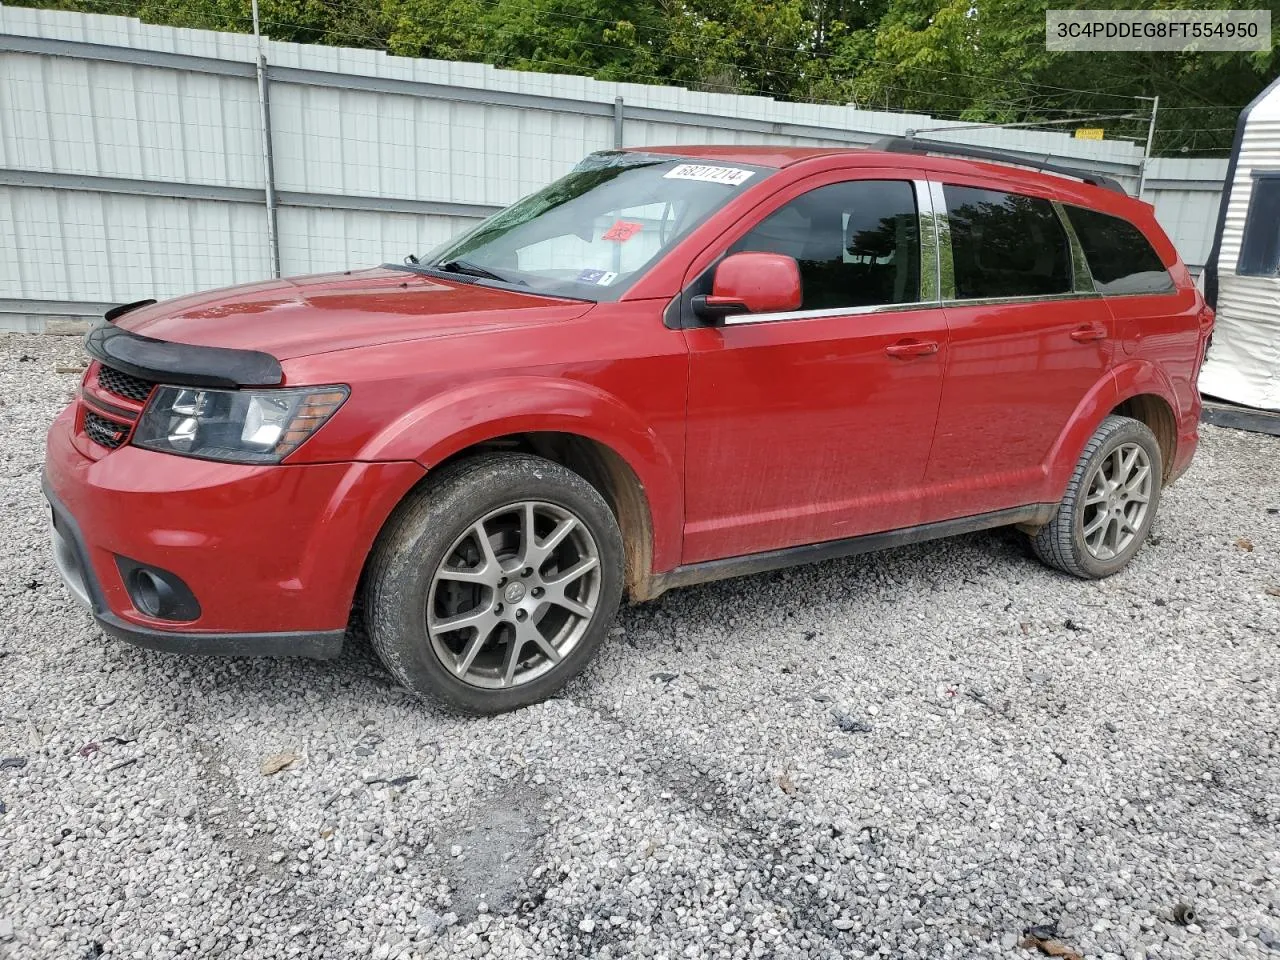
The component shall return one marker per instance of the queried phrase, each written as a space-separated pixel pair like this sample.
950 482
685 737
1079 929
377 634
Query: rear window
1006 245
1260 250
1120 257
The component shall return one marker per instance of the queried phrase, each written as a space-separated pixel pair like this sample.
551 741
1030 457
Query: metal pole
1151 136
617 123
268 164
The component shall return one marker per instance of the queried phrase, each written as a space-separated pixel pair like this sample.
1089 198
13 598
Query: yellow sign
1088 133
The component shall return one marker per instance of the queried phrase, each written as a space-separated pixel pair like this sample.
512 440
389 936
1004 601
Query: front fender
468 415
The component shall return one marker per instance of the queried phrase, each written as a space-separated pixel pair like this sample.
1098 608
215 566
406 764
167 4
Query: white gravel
913 754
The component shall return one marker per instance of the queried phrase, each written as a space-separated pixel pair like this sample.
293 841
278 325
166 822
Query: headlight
239 426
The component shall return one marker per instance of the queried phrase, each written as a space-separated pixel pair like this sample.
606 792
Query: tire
430 570
1073 541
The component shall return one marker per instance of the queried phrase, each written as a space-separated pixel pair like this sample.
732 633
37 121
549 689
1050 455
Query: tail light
1206 333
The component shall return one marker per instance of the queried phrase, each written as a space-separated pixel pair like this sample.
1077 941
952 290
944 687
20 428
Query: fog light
157 593
148 591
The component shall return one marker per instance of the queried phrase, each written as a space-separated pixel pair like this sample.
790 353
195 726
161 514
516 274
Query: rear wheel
493 585
1109 505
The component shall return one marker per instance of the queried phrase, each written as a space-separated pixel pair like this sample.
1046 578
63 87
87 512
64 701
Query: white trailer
1242 277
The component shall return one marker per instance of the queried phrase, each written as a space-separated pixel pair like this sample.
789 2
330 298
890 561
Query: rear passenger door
1029 337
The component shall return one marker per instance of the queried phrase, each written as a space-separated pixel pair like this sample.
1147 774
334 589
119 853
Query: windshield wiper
471 270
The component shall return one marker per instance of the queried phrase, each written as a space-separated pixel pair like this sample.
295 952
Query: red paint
339 311
761 282
742 437
263 548
805 430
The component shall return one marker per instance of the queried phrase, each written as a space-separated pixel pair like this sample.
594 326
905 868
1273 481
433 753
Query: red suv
672 365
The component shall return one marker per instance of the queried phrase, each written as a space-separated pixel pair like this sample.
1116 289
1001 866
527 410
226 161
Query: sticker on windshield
732 176
601 278
622 231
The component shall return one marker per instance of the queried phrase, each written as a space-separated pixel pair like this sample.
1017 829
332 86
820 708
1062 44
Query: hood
307 315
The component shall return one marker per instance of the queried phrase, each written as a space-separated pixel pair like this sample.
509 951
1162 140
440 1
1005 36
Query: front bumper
272 553
71 556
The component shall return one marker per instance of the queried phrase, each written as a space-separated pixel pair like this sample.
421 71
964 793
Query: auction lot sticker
1173 31
733 176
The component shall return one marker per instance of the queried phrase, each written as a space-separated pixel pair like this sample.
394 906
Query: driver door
815 424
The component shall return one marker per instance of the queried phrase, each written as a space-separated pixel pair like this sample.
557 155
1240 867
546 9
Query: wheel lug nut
520 615
527 572
538 591
498 608
502 581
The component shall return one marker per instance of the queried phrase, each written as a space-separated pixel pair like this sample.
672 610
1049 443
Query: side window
1006 245
1120 257
1260 250
857 243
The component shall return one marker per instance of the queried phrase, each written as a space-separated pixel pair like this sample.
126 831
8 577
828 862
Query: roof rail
916 145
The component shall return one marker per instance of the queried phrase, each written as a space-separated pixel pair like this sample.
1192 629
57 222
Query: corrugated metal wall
1187 194
131 155
1243 364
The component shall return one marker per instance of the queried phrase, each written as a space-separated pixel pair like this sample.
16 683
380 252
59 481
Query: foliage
978 60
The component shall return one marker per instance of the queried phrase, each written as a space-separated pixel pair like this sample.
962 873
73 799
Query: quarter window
1120 257
1006 245
1260 250
857 243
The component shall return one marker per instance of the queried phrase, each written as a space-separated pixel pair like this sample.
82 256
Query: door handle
906 349
1089 332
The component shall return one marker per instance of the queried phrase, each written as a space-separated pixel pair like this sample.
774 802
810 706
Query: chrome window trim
927 218
1171 292
946 265
1081 275
744 319
1030 298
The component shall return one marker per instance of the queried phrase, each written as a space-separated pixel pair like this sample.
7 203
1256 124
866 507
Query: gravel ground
913 754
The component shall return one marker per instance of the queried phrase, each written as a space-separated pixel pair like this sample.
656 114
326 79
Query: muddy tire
493 584
1110 502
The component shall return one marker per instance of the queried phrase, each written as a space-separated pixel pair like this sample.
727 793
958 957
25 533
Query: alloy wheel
1116 505
514 594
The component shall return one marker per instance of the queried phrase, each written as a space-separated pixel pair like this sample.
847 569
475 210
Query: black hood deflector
181 364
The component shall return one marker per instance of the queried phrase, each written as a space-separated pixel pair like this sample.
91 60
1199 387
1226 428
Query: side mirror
751 283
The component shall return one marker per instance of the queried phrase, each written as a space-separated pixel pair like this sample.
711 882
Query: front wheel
1109 505
493 585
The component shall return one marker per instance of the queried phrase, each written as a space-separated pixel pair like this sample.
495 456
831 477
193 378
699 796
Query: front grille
123 384
106 432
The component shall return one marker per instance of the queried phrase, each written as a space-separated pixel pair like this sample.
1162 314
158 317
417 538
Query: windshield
594 232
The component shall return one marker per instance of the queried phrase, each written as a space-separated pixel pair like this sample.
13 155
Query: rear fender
1129 379
1142 377
1135 377
1089 413
469 415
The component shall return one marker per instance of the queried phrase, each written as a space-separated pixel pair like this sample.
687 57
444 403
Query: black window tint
857 243
1120 257
1260 251
1006 245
